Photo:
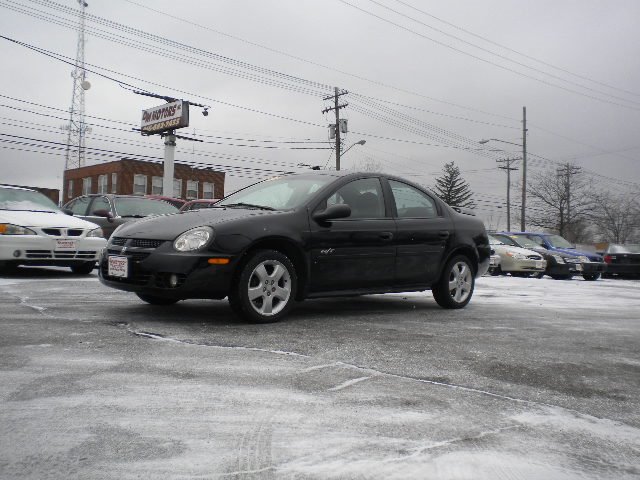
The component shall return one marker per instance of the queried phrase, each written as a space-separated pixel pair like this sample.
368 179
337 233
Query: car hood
26 218
513 249
168 227
578 253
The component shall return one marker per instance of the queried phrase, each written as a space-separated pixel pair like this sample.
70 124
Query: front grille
534 257
60 255
54 232
136 242
59 232
74 232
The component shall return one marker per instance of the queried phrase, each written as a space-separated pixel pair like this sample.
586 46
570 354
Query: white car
34 231
519 262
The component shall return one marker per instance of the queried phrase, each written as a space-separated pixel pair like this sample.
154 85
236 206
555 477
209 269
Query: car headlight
584 259
572 259
95 233
10 229
517 256
558 258
193 239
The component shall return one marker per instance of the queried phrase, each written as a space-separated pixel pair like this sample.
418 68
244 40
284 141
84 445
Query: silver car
519 262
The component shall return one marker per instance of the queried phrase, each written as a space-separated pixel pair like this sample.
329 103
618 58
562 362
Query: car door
356 252
421 237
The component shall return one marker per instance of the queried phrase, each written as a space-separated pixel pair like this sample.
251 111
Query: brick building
141 178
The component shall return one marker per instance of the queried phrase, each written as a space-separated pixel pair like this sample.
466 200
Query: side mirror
331 213
104 213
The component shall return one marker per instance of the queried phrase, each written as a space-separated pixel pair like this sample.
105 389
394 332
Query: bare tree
560 203
617 216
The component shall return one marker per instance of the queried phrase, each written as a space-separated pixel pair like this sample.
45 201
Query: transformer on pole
77 128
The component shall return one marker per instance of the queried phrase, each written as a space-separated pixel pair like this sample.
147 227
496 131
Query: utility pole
77 128
567 171
336 106
508 168
524 169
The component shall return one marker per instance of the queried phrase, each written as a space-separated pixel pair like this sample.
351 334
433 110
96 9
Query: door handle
385 235
444 234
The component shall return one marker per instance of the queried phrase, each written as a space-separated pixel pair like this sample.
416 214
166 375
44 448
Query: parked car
199 203
176 202
560 266
34 231
302 236
592 264
111 210
517 261
494 263
622 260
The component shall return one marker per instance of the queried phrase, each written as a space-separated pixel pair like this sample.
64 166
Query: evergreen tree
453 189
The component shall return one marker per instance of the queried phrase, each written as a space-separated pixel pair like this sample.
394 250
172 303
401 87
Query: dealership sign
165 117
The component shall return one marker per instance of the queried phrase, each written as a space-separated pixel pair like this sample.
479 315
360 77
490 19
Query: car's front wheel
84 269
266 287
455 287
155 300
591 276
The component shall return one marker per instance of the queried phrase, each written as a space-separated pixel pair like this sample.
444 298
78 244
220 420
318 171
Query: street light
361 142
524 173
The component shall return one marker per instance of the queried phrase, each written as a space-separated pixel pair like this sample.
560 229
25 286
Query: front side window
86 185
156 185
100 203
192 189
557 241
364 196
140 184
79 206
411 202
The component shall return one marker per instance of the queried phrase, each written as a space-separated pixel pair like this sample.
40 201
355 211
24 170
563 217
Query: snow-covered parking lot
535 379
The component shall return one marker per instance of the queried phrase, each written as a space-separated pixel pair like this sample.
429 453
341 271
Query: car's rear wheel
156 300
84 269
455 287
266 287
591 276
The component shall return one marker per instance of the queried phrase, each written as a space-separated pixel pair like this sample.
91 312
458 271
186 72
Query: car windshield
22 199
631 248
557 241
280 193
494 241
525 242
141 207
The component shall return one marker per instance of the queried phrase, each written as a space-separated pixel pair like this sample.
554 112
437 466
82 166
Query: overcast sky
426 80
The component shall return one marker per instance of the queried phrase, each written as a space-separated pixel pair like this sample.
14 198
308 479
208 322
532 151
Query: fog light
17 253
173 280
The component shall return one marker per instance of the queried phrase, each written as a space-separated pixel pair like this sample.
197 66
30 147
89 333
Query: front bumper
509 264
55 251
164 272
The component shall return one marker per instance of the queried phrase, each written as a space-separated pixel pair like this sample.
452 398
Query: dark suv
111 210
302 236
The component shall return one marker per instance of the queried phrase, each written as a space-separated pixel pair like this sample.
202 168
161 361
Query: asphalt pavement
535 379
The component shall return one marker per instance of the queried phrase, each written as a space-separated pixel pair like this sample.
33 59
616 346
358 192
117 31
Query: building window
192 189
70 189
86 186
156 185
207 190
177 187
102 183
114 183
140 184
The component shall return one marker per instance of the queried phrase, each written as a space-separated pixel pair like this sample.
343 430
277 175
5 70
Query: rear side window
411 202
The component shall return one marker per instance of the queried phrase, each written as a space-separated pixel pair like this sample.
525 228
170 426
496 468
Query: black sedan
622 260
302 236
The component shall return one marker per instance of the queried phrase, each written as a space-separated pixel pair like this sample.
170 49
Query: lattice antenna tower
77 128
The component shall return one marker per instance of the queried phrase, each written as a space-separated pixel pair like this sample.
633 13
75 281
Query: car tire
562 277
591 276
539 275
497 271
455 286
266 287
84 269
155 300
